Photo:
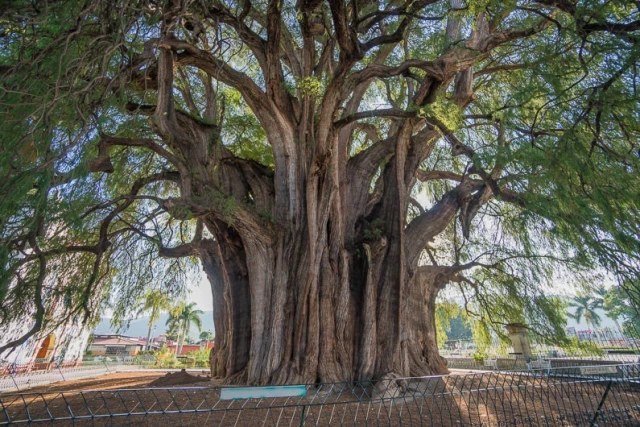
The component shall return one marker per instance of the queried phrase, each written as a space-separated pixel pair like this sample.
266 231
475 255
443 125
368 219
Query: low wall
520 364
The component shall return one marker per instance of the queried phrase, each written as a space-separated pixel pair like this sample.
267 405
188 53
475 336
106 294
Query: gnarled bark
271 330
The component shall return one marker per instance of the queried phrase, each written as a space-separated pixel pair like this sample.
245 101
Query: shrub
200 357
165 358
479 356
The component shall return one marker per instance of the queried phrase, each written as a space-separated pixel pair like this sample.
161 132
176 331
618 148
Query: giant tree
332 165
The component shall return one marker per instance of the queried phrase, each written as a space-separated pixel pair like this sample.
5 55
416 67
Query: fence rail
559 397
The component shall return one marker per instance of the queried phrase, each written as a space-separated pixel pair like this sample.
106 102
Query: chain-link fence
556 397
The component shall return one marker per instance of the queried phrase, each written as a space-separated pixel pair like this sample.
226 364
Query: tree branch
428 225
433 175
207 62
384 112
108 141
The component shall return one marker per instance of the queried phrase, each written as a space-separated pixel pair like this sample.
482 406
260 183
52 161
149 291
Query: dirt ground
129 380
464 400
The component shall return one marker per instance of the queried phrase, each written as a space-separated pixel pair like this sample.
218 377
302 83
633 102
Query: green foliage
154 301
577 348
374 230
479 356
444 111
621 303
309 86
446 312
165 358
200 358
482 337
181 212
206 336
180 319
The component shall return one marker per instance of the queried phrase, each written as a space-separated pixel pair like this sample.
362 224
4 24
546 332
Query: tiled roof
118 341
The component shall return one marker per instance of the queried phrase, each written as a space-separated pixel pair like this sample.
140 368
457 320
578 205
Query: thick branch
384 112
434 175
207 62
108 141
347 39
188 249
428 225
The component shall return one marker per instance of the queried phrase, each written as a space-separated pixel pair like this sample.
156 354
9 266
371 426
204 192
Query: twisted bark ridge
315 247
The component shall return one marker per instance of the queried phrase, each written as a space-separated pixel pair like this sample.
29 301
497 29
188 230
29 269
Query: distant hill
139 327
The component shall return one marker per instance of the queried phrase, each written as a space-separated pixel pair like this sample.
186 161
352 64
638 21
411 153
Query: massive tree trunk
274 327
335 293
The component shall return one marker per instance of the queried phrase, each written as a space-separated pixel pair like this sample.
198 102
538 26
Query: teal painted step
237 393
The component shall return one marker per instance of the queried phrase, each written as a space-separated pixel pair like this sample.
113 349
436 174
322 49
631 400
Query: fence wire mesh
545 398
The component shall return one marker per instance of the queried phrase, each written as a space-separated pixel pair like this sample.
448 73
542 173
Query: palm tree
585 306
184 315
172 330
598 298
206 336
154 301
174 322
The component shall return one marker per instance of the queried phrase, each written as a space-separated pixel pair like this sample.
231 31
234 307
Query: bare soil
179 378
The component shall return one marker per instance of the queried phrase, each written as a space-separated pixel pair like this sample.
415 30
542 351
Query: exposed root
390 386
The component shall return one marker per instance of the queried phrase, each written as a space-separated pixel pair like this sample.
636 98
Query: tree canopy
333 165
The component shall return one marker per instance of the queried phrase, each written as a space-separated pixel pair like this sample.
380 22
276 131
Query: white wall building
65 344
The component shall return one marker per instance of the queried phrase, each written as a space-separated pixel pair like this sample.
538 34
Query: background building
64 344
116 345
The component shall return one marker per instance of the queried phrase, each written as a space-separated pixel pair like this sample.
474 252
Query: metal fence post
304 407
13 378
604 397
61 373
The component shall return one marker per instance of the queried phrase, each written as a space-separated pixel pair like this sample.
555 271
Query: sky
201 293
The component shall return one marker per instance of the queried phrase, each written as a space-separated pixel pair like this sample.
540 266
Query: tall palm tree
184 316
174 322
598 298
206 336
154 302
172 330
585 306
